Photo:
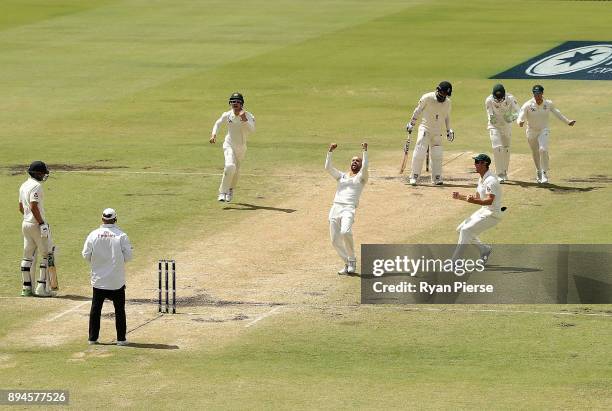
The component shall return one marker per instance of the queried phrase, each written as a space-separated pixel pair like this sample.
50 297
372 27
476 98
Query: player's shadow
153 346
551 187
511 270
254 207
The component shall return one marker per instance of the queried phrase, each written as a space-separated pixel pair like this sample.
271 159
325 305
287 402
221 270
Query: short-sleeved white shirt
31 191
489 184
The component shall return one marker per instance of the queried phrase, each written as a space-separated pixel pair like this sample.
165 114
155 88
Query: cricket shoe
92 342
27 292
344 271
413 179
484 255
41 290
539 176
229 196
351 267
438 181
544 178
502 177
123 343
221 197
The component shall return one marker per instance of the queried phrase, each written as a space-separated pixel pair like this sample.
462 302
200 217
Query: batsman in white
489 196
36 233
433 108
502 110
536 112
240 124
342 213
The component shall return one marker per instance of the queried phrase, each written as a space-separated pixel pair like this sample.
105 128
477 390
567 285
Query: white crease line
76 307
264 315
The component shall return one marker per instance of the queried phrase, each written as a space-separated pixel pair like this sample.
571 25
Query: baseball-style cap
483 157
537 89
109 214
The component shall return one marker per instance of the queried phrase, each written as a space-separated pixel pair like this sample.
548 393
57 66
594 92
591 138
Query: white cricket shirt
536 115
498 113
107 249
349 187
489 184
31 191
433 113
237 130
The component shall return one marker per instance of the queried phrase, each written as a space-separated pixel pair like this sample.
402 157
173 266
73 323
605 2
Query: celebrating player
502 109
342 213
240 124
488 195
536 112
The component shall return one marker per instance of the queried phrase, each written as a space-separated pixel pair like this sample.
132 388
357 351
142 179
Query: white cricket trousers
434 142
473 226
34 244
341 218
538 142
500 141
231 171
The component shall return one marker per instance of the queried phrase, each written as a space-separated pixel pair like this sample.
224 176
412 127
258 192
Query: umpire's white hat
109 214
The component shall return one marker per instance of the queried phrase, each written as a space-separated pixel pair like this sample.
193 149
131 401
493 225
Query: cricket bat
405 158
427 160
52 271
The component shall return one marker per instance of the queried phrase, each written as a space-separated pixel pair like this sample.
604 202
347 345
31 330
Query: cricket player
489 196
240 124
433 108
36 233
502 110
342 213
536 112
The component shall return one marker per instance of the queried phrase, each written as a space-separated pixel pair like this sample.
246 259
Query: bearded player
434 110
342 213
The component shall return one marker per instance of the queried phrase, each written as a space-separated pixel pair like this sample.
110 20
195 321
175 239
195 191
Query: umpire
107 249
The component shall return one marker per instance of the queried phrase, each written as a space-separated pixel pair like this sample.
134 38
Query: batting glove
450 135
409 128
44 230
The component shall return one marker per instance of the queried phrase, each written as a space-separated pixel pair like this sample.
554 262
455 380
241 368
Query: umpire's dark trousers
118 299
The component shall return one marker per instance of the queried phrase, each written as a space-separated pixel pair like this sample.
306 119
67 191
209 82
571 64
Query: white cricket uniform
536 118
107 249
234 146
485 217
33 243
433 114
342 212
500 116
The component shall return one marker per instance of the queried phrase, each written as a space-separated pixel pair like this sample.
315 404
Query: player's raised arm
363 173
328 163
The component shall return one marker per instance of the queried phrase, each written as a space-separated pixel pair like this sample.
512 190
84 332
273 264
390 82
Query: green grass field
129 90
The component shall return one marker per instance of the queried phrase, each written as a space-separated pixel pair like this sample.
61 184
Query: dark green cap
537 89
499 91
483 157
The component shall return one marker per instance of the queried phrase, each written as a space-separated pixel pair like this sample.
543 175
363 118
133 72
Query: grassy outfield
135 86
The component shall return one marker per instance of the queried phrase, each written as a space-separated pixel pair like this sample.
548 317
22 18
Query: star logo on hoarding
579 57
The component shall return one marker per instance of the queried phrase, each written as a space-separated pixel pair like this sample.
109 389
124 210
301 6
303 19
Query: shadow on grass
253 207
551 187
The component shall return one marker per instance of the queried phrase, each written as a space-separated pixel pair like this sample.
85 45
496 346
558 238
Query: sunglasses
235 101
